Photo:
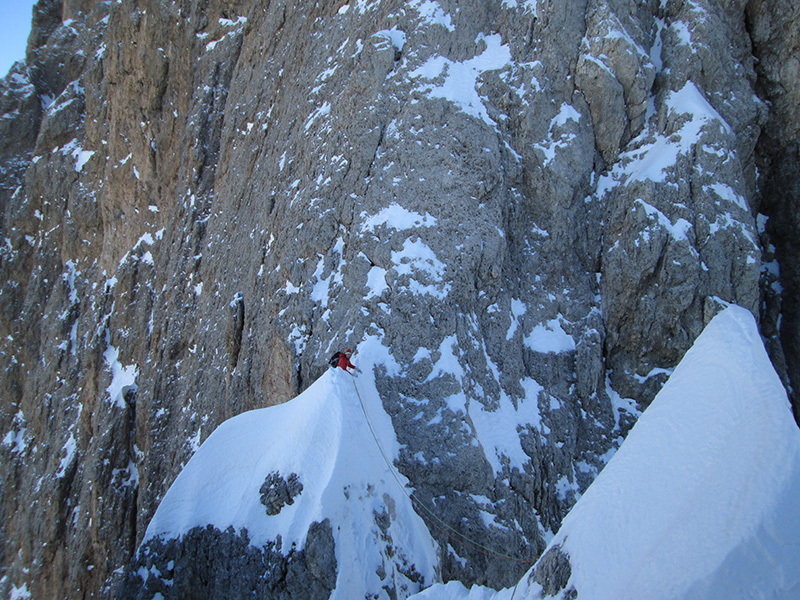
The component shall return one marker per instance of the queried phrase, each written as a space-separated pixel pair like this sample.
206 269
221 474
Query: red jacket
344 362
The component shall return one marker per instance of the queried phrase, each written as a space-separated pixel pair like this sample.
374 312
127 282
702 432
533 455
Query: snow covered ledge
702 501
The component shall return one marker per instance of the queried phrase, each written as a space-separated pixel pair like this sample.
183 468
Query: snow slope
322 436
701 501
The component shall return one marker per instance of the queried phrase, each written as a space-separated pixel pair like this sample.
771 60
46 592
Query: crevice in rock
233 336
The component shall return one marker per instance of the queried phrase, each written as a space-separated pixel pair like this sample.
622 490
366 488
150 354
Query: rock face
530 203
776 41
209 563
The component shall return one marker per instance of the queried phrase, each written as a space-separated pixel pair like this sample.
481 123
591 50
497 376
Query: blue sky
15 25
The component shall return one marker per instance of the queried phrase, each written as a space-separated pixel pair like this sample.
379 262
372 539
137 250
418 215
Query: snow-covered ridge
700 502
323 443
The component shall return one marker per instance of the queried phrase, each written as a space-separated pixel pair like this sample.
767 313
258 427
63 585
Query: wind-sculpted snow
699 503
701 500
335 462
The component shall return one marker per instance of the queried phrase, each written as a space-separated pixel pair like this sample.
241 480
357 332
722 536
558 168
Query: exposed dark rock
277 492
775 32
213 564
553 572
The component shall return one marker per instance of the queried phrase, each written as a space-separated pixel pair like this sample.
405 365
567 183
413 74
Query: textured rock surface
553 572
278 492
775 34
208 563
532 203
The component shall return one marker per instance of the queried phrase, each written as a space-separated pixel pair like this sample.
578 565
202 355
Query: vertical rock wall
775 34
535 205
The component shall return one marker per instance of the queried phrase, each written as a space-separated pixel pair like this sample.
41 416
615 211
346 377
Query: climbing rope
447 529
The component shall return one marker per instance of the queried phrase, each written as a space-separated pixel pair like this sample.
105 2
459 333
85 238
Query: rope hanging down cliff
447 529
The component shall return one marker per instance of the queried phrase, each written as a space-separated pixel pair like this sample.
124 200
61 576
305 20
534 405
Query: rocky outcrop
208 563
553 572
535 207
277 492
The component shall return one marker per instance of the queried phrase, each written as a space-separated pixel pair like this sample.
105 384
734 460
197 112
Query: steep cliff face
776 42
530 204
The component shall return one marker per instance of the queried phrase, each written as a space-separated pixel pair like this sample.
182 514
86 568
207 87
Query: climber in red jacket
342 360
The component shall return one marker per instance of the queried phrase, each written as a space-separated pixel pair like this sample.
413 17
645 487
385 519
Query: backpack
333 361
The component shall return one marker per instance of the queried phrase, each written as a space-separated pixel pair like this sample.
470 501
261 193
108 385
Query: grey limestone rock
276 492
199 201
209 563
553 572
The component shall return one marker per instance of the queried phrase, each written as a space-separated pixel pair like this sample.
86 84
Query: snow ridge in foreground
701 501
